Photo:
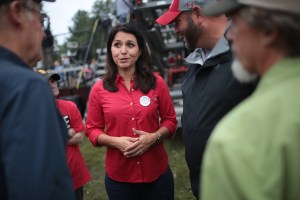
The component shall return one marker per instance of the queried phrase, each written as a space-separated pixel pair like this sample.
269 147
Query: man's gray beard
241 74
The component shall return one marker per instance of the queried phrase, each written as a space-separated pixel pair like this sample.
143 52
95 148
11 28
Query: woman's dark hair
144 77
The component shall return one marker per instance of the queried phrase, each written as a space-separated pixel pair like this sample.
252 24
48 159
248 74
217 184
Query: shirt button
131 103
132 89
138 163
132 118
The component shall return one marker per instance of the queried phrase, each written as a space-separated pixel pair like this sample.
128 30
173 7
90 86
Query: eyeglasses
44 18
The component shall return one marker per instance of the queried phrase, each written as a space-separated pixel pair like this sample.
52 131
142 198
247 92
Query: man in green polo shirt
254 152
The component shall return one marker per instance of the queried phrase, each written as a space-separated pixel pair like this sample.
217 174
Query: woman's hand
122 143
138 148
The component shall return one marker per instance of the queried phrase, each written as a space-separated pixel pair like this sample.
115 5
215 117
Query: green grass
94 158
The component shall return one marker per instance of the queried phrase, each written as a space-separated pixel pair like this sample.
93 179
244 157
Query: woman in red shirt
130 111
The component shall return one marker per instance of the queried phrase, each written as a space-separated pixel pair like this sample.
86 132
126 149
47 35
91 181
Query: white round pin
145 101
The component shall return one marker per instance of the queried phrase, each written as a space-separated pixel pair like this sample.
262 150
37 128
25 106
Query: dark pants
194 163
79 193
160 189
195 183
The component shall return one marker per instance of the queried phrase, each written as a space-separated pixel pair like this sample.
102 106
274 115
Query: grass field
94 157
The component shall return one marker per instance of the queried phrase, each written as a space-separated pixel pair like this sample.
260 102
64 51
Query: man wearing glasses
32 134
253 152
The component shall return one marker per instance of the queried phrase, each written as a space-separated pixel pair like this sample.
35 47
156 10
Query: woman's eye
118 45
130 45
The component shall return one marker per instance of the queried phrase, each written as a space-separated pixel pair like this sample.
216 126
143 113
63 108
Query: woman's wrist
158 137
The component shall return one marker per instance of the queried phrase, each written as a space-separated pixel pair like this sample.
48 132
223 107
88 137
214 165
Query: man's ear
270 37
197 11
16 15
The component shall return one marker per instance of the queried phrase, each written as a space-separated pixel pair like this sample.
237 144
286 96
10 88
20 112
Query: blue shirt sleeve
33 145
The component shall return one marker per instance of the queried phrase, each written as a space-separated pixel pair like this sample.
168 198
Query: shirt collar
120 78
6 54
283 70
200 55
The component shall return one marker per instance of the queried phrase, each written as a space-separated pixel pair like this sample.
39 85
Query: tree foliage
91 28
87 28
81 28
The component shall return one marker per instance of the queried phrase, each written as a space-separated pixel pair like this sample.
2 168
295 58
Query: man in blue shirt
32 134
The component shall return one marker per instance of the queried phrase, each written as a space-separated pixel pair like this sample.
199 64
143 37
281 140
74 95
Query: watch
158 140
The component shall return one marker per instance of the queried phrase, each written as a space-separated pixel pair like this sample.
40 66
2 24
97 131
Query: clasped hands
138 146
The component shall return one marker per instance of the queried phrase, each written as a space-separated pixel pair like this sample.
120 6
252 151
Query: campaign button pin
145 101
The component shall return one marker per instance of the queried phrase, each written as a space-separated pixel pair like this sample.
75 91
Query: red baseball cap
177 7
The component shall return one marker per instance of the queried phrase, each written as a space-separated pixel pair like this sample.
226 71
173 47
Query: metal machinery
166 48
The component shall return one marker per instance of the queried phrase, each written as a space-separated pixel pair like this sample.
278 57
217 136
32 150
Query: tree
80 32
83 30
103 11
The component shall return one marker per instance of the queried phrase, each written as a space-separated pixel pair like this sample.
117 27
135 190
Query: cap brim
221 7
168 17
54 77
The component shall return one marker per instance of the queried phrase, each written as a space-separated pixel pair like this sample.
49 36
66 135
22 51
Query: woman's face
125 50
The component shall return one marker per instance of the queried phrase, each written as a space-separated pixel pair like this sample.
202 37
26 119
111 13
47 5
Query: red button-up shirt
116 113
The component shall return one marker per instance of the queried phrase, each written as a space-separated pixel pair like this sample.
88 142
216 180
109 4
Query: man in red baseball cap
209 89
179 6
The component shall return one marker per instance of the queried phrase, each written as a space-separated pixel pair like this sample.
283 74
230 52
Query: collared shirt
199 56
32 149
254 151
116 113
209 92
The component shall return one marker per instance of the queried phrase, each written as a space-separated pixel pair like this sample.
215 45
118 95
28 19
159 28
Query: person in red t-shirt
70 113
130 111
